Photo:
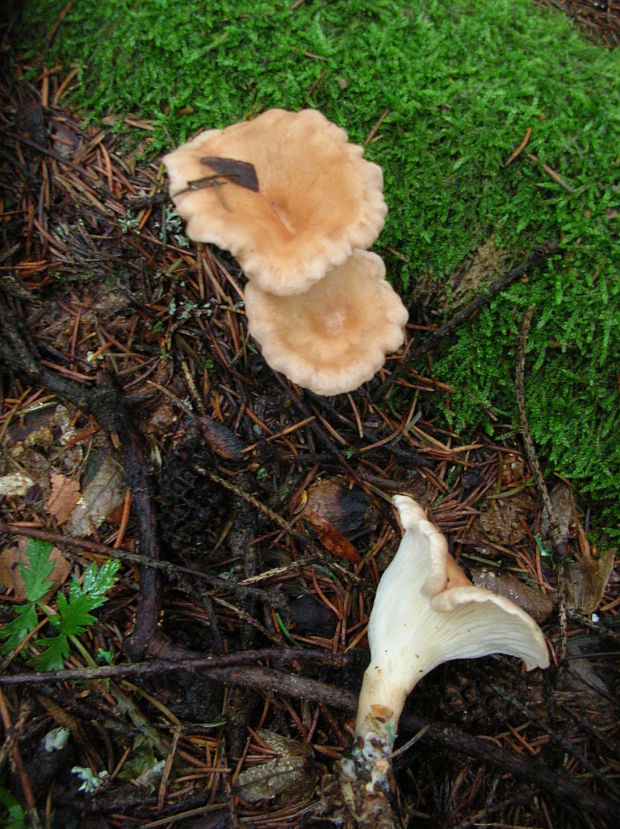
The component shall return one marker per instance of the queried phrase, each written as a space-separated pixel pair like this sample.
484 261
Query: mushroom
316 197
426 612
335 336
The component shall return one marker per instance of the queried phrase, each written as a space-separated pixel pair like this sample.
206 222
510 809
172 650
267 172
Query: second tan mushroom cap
335 336
318 199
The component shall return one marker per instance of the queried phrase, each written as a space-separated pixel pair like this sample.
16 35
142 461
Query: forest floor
215 683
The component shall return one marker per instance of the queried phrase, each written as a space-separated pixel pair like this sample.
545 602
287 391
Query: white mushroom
419 620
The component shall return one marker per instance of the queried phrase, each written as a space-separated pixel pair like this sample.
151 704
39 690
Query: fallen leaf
241 172
287 773
103 494
528 598
347 509
15 485
11 577
583 688
587 580
41 441
499 518
333 541
65 495
480 267
562 502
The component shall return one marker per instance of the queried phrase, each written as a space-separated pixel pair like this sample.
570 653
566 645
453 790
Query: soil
599 19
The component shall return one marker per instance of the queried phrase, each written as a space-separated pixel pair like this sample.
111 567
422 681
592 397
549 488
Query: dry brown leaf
40 442
64 497
287 773
331 539
479 268
499 518
562 502
11 577
528 598
103 494
15 485
347 509
587 580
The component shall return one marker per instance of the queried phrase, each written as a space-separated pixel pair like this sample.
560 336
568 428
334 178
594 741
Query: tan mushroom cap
318 199
335 336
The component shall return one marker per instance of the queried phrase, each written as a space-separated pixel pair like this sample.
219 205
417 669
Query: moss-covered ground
457 85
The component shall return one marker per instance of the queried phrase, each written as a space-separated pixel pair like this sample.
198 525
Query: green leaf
35 573
16 631
105 656
55 650
16 817
96 583
73 614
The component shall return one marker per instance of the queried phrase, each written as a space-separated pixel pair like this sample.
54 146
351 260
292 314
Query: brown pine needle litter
252 516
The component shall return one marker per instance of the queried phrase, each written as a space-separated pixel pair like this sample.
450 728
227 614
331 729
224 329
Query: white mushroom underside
335 336
318 198
412 628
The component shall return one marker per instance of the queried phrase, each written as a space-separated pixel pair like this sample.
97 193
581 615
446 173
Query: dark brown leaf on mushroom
319 199
241 172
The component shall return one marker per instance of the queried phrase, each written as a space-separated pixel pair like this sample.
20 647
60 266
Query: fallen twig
283 655
111 409
520 148
551 173
225 585
558 543
541 254
559 786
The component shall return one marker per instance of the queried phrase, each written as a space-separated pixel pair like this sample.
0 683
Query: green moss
462 82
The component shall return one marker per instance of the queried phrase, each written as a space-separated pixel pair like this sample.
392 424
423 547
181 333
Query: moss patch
461 83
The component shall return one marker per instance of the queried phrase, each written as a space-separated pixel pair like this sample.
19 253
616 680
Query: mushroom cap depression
317 198
419 620
335 336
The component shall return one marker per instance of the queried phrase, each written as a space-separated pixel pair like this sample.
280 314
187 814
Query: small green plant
73 615
15 817
90 782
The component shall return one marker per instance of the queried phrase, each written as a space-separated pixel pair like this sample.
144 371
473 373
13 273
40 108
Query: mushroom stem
381 718
367 782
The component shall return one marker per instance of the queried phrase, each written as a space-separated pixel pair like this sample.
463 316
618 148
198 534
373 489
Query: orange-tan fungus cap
317 198
335 336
